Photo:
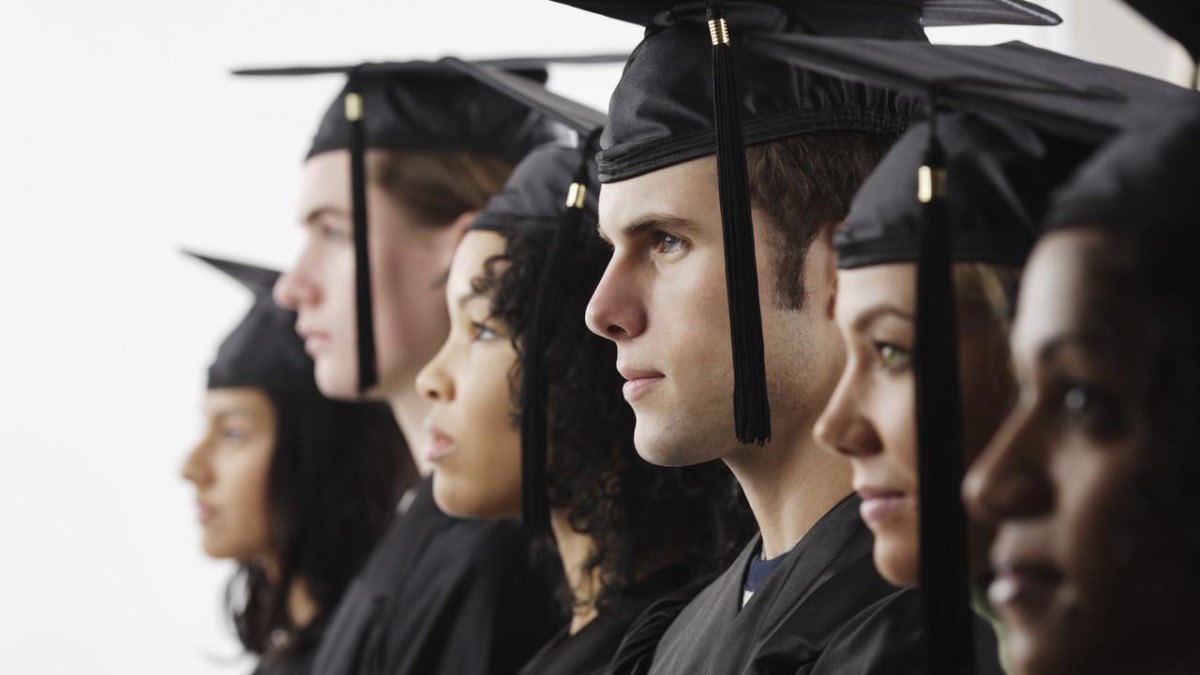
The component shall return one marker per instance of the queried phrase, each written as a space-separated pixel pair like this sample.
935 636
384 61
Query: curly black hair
333 482
635 512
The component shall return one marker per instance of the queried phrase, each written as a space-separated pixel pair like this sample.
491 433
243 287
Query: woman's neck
574 549
409 409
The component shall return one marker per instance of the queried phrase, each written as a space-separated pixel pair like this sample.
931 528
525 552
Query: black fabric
442 596
1145 176
432 106
636 653
821 596
662 113
263 350
1060 95
934 12
759 570
297 662
1000 178
589 651
535 195
893 624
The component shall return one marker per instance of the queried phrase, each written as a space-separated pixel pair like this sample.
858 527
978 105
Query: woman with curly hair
294 487
1090 482
628 533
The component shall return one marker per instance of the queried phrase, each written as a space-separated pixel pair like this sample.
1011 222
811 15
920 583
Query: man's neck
790 485
410 408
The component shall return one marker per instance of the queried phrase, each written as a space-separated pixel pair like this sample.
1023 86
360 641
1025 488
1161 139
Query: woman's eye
667 244
480 332
332 233
231 435
891 356
1092 410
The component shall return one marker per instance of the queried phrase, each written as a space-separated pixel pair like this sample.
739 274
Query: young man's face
662 300
408 260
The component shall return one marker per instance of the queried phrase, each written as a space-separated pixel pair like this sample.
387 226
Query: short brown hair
805 184
435 188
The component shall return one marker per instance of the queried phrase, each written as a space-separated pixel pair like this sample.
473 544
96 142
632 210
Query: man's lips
204 512
638 381
879 503
438 444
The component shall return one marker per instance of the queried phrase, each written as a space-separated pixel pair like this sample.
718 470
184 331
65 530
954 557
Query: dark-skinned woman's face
1086 581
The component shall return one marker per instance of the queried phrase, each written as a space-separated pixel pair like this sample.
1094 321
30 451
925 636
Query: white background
122 138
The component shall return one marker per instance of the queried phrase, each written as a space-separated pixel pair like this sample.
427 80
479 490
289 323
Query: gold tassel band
576 196
354 106
718 31
931 184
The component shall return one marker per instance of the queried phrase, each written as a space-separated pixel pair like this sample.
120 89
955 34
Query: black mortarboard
554 189
1142 177
413 105
264 349
1062 97
684 95
1002 176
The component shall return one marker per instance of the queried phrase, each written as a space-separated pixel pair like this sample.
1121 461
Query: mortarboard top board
417 105
552 189
1059 94
264 349
1003 174
1146 176
688 91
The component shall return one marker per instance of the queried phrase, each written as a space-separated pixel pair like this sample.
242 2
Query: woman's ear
460 225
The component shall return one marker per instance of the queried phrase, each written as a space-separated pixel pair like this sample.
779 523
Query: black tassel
751 406
547 310
945 576
364 319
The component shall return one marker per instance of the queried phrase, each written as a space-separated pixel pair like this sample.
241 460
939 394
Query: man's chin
663 449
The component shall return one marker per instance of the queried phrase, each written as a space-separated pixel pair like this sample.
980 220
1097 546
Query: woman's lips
1024 585
438 444
205 513
879 504
315 343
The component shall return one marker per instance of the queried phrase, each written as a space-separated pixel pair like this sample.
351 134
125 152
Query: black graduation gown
590 651
823 594
442 596
298 663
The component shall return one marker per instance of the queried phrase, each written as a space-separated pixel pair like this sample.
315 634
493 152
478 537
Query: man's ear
831 274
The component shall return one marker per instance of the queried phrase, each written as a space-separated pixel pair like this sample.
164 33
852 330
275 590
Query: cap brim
937 13
573 114
259 280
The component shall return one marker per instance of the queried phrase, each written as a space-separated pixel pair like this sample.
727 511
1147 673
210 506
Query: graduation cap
553 189
1146 176
1065 98
264 349
416 105
684 95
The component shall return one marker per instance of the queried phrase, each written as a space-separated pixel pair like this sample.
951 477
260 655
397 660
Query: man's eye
891 356
668 244
480 332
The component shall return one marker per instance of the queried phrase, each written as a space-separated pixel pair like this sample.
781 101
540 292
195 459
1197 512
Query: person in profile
294 487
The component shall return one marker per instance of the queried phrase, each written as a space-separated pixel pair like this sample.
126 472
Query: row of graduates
797 197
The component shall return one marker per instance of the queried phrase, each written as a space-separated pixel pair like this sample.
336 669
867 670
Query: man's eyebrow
877 312
650 222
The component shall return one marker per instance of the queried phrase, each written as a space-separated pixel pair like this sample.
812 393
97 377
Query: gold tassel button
931 184
354 106
576 196
718 31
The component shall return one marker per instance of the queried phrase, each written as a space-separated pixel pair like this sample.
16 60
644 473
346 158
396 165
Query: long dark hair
334 479
634 512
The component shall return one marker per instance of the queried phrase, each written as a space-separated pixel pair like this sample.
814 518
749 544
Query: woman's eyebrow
1090 343
864 320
